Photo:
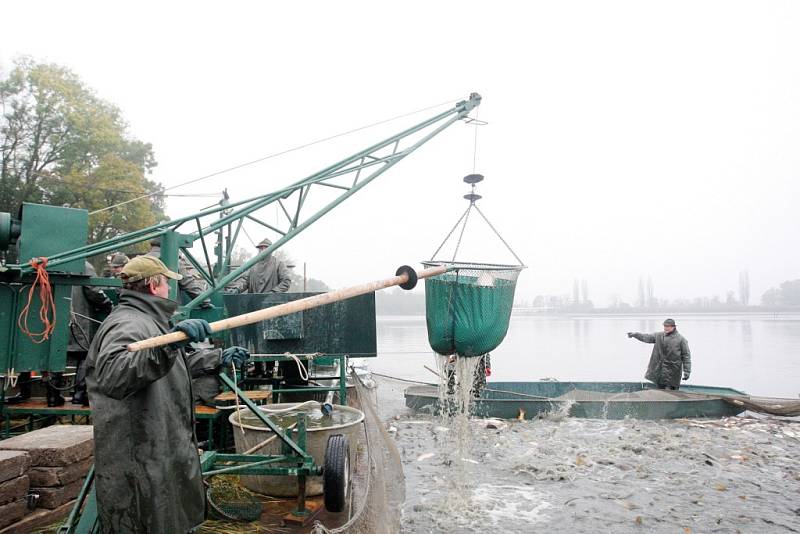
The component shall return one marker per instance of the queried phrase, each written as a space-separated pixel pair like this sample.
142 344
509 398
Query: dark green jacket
670 354
267 276
87 302
148 476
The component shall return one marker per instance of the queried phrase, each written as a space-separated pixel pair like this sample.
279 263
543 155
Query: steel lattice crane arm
347 176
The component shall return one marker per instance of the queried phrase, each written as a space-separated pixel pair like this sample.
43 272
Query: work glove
488 372
685 375
237 355
630 334
195 329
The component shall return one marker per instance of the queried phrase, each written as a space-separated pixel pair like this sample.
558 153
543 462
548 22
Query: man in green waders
147 469
670 354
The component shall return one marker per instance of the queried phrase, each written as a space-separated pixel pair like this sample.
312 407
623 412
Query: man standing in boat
670 354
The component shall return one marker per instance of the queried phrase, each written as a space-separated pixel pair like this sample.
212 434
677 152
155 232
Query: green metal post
170 241
286 439
301 477
343 380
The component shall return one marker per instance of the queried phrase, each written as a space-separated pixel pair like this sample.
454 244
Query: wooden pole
288 308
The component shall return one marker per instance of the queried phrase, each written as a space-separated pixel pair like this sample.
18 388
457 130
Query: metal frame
297 462
341 388
349 176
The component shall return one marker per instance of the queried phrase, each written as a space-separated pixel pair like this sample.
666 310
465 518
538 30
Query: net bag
468 308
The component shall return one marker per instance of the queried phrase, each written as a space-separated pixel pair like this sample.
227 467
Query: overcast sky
625 139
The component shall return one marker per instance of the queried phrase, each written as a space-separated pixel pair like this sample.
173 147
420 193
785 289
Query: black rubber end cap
412 276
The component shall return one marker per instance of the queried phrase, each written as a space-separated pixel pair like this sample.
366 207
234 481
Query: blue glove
237 355
195 329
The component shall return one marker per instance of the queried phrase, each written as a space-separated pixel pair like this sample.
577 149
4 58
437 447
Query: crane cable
270 156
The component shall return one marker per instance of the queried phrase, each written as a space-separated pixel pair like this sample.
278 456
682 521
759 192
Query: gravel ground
557 474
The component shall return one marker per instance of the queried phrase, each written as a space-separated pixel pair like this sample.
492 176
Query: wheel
336 474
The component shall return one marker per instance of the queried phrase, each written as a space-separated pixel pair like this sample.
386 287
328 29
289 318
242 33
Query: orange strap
48 306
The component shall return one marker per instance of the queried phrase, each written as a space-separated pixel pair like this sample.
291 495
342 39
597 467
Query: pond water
757 353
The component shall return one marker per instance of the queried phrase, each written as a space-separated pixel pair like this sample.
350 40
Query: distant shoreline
606 312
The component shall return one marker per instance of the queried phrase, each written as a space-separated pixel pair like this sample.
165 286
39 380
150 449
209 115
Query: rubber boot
80 396
24 386
54 397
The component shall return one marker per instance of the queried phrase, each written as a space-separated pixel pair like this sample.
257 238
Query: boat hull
613 400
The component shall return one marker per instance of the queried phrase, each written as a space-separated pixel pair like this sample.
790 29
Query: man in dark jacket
88 304
269 275
147 469
670 354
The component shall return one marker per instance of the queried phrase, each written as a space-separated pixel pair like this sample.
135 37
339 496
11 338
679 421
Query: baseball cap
142 267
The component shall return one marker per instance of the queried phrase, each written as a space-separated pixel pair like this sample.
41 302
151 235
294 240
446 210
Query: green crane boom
362 168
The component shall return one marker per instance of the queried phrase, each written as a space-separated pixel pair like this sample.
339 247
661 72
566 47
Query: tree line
61 144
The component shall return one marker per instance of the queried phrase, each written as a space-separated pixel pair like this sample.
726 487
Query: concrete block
47 477
12 512
55 497
14 489
13 464
54 446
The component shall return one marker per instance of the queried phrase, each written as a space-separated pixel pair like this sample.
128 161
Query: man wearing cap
267 276
118 261
670 354
147 470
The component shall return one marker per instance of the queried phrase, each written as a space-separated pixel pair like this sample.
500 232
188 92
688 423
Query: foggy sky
625 139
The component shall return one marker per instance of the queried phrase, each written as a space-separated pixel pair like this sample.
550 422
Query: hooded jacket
670 354
147 469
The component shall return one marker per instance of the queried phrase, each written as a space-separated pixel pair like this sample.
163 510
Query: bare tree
744 287
641 301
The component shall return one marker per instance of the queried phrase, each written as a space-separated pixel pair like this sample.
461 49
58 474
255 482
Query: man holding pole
147 470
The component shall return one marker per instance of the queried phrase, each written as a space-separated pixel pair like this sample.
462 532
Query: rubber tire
336 474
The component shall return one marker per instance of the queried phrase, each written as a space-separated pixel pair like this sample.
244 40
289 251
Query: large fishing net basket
233 506
468 308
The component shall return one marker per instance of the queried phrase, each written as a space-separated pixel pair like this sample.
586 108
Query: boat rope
273 155
301 369
403 379
47 308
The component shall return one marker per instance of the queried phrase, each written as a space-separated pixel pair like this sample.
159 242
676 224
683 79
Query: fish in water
426 456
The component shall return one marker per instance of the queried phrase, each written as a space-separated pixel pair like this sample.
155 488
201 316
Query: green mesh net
469 307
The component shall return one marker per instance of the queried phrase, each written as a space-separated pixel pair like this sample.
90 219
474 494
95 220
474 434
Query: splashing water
456 377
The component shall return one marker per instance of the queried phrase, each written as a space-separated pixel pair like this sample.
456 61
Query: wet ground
558 474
